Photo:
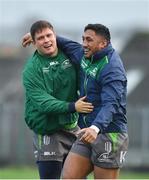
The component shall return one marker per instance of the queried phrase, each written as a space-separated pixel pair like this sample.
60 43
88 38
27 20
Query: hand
88 135
26 40
83 107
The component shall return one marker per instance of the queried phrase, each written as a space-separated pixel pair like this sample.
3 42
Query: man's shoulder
114 60
31 65
32 60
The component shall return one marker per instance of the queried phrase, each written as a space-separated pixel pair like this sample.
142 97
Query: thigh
46 148
53 147
103 173
109 150
76 166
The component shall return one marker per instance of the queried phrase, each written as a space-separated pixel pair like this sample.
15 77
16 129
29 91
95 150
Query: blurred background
128 21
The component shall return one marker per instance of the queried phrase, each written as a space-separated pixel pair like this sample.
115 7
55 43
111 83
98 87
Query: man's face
92 43
45 42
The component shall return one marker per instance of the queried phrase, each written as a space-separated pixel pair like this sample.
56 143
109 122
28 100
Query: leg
58 145
102 173
49 169
76 166
108 155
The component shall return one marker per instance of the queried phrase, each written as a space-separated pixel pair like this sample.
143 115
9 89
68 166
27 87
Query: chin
87 56
50 52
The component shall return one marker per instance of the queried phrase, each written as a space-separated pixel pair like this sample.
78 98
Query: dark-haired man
50 83
103 141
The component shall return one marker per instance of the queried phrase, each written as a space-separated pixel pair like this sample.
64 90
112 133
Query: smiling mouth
48 46
86 51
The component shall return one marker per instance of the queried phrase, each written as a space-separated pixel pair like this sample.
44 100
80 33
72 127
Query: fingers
87 135
87 111
82 98
83 102
83 107
81 131
24 44
26 40
87 108
84 136
87 105
87 139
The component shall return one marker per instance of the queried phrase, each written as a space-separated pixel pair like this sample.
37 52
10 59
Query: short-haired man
103 141
50 82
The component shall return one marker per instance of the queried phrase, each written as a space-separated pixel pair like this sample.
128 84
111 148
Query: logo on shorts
46 140
53 153
36 154
122 156
104 157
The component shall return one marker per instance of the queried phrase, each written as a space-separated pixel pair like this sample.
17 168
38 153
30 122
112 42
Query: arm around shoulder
71 48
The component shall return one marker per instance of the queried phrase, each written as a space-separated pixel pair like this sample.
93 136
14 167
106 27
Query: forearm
71 48
46 103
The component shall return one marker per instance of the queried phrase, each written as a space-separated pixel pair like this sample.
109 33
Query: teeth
86 50
47 46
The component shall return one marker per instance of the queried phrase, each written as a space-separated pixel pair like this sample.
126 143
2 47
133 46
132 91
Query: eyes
87 39
42 37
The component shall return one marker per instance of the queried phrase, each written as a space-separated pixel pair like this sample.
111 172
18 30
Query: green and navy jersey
103 81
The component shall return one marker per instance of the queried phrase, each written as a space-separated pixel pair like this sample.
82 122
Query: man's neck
49 55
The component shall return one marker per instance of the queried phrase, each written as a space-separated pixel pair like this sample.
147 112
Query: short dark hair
99 29
38 26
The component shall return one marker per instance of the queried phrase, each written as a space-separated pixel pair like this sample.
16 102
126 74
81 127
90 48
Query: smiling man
103 140
50 84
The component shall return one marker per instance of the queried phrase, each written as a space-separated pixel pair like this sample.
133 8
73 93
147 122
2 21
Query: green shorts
107 151
54 147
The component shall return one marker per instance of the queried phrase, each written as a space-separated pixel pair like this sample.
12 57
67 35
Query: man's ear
103 44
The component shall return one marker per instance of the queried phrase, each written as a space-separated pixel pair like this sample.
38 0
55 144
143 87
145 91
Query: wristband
95 128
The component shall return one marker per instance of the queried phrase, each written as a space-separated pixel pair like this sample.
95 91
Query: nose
84 44
46 39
